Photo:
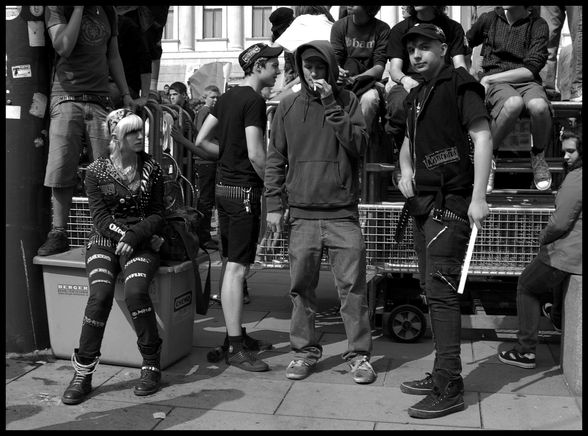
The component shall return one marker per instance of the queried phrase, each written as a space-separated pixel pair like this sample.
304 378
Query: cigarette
314 86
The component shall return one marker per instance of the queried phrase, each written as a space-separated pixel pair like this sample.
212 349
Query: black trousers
103 267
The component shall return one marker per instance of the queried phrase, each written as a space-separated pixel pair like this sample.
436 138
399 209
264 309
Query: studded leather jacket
119 214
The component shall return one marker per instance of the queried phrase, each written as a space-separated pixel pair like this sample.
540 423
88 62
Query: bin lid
76 258
73 258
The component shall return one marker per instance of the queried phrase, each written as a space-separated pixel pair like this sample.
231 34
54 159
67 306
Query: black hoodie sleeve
348 123
276 161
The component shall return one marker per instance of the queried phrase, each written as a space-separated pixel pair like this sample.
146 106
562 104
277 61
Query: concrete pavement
199 395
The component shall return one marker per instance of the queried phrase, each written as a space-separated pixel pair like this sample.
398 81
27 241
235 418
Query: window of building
212 26
168 30
261 23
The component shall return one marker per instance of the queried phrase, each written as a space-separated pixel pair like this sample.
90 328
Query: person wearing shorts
239 120
514 46
86 52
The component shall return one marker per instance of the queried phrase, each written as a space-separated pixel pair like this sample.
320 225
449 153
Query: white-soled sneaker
362 371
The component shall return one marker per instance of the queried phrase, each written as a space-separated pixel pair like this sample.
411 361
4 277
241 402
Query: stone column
571 347
235 27
186 28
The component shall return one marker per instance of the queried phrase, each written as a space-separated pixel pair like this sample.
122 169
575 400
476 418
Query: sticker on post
39 105
36 33
12 12
20 71
12 112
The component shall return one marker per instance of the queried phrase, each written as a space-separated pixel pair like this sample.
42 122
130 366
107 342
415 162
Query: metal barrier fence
504 247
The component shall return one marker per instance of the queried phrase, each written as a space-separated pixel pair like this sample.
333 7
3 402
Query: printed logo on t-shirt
441 157
356 43
93 32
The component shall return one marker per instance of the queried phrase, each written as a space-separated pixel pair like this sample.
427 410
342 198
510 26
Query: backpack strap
202 296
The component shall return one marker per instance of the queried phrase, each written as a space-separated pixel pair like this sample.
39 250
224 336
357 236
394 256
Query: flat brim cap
424 29
260 50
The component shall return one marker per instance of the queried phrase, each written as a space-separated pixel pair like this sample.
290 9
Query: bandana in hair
114 117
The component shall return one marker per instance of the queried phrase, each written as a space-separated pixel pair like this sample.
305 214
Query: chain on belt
245 193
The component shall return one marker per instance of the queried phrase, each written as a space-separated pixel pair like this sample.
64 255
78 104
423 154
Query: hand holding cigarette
322 86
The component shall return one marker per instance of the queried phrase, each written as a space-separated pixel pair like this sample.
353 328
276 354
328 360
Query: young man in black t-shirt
239 120
403 74
445 188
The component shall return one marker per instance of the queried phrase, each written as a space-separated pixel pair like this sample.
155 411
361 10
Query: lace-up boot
150 376
81 383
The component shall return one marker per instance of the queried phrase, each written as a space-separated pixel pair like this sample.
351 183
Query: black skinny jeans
102 267
440 248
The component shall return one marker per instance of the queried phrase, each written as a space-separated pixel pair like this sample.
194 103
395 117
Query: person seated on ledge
125 197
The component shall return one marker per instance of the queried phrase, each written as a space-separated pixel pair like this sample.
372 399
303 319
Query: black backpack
180 231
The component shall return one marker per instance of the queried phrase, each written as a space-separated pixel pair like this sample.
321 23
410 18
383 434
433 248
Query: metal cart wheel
407 323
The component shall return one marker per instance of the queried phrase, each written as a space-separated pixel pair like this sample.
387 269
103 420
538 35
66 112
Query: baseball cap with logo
424 29
248 56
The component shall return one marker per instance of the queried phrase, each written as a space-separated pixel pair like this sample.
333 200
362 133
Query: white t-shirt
303 29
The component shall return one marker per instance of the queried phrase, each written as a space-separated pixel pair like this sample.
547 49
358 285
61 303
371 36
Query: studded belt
238 192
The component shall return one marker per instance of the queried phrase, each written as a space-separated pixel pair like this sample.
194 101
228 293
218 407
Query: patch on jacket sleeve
108 189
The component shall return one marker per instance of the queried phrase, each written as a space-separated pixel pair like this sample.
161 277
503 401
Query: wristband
400 80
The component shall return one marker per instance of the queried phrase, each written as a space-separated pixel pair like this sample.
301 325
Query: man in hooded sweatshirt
317 143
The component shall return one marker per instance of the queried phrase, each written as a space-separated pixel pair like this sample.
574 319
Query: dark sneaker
299 369
216 354
149 381
362 371
541 173
418 387
490 186
440 402
513 357
253 344
246 360
56 242
547 310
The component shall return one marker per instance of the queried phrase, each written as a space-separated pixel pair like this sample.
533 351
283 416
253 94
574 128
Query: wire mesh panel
272 251
506 244
378 223
509 240
79 223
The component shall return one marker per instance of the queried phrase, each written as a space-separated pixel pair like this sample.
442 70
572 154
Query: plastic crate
66 294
